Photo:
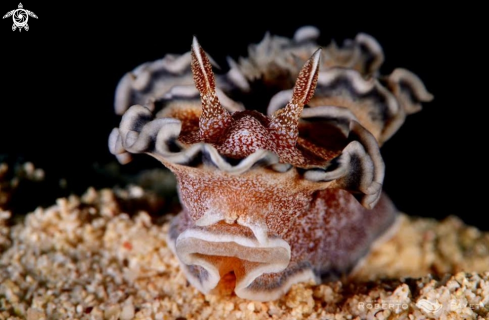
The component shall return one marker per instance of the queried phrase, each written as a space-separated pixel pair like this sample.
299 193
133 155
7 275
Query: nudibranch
271 199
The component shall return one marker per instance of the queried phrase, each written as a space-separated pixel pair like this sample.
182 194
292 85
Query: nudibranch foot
327 243
278 197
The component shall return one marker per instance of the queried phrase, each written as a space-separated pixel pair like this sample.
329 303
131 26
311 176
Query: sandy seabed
84 258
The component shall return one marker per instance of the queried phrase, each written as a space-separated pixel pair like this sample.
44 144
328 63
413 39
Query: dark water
57 90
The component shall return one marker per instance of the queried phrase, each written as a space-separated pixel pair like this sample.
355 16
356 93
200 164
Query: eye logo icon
428 306
20 17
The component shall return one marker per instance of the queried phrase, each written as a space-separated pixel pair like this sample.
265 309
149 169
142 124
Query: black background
58 81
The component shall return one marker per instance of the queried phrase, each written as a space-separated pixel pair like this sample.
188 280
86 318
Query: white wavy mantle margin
360 161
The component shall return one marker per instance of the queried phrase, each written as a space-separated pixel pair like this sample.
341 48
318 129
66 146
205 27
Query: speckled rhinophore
270 200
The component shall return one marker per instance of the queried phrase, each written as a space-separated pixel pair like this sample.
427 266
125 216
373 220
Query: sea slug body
288 189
